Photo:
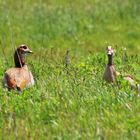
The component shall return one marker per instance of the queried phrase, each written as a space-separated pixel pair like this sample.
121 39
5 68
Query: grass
77 104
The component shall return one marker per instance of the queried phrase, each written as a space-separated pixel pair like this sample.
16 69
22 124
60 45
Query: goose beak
29 51
109 53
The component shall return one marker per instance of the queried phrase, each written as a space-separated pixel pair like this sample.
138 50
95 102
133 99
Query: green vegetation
74 102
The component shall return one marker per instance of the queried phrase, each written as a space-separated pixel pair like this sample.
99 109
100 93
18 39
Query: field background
73 102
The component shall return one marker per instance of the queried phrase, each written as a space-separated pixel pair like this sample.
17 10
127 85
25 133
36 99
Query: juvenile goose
111 74
19 77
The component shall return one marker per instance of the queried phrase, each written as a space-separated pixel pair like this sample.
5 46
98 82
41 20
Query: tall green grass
72 102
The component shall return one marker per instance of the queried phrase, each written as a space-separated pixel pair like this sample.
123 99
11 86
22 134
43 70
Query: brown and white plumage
19 77
110 74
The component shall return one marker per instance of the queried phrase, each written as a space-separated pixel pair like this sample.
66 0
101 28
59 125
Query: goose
110 74
19 77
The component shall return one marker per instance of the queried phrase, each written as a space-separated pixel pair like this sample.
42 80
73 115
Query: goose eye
24 47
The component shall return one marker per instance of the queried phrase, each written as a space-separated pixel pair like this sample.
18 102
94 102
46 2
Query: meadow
71 102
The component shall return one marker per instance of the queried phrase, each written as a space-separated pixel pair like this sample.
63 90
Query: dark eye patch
24 47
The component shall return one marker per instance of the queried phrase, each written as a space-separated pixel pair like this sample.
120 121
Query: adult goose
110 74
19 77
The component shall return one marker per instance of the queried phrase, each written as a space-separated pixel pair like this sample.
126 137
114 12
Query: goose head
19 56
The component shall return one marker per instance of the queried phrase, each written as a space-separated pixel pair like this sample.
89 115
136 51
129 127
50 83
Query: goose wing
15 78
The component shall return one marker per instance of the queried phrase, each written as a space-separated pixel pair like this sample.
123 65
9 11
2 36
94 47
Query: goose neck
19 59
110 60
